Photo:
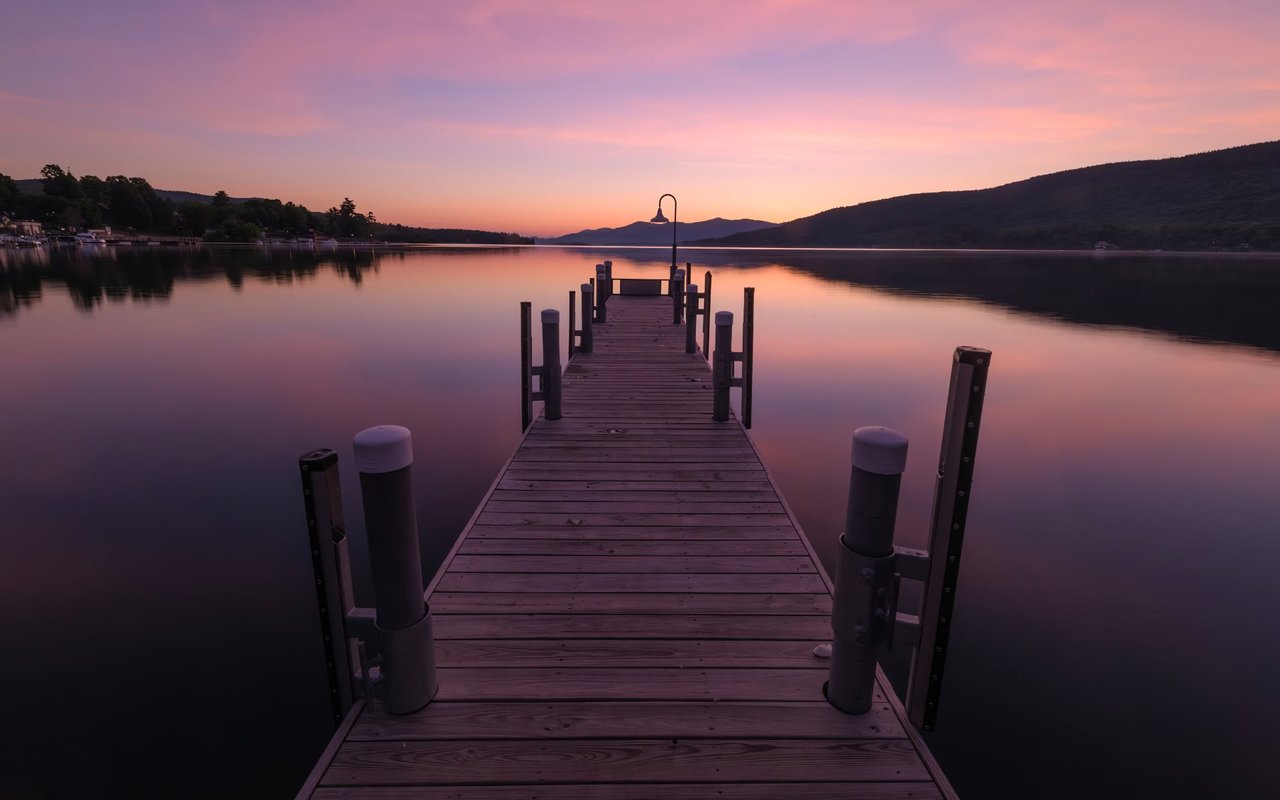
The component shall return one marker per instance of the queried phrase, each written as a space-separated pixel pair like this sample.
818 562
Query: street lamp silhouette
675 212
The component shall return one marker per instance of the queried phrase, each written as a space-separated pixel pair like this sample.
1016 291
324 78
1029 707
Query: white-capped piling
863 604
383 457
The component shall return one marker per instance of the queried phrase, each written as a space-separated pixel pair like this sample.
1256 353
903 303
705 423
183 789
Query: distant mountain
1226 199
649 233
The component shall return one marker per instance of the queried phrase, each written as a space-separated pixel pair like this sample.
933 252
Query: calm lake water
1115 630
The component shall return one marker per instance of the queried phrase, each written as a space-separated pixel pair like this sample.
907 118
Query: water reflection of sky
1116 572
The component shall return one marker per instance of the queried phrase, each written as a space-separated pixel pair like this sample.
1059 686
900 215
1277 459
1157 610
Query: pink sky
549 117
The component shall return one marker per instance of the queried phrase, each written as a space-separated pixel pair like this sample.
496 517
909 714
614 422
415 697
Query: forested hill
1224 199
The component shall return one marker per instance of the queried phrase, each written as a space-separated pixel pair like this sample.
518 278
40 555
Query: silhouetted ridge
1216 200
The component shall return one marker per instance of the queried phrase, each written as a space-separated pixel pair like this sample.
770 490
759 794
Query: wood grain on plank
492 602
756 720
622 760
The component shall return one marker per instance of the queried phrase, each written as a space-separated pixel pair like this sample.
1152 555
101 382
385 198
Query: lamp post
675 213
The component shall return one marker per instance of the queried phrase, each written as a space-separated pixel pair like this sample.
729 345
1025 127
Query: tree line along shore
61 202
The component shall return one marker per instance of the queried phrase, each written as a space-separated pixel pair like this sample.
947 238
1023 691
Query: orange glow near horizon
491 115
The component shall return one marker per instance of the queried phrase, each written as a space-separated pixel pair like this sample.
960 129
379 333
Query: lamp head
658 217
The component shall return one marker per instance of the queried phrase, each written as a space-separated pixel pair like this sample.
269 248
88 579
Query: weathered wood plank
511 484
642 791
612 719
632 519
654 505
605 495
704 470
630 582
623 760
708 533
614 547
649 565
815 628
627 603
602 653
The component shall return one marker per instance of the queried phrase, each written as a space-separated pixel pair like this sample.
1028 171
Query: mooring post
526 364
322 499
677 296
691 318
585 343
706 316
551 363
863 607
608 276
722 366
403 620
602 281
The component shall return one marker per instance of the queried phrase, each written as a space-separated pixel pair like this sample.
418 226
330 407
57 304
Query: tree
8 194
193 218
59 183
127 207
346 221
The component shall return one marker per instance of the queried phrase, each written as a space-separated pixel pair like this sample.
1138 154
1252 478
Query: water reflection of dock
632 612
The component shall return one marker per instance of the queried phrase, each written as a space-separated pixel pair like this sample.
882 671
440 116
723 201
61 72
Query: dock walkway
631 613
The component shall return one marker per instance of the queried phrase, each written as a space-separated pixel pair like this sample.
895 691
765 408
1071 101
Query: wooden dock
631 613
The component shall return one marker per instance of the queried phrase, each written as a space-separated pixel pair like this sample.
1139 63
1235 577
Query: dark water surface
1114 635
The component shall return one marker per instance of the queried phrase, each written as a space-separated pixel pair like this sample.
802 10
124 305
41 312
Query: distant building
1101 245
28 227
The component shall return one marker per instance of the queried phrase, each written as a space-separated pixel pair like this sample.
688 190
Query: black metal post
968 387
322 498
